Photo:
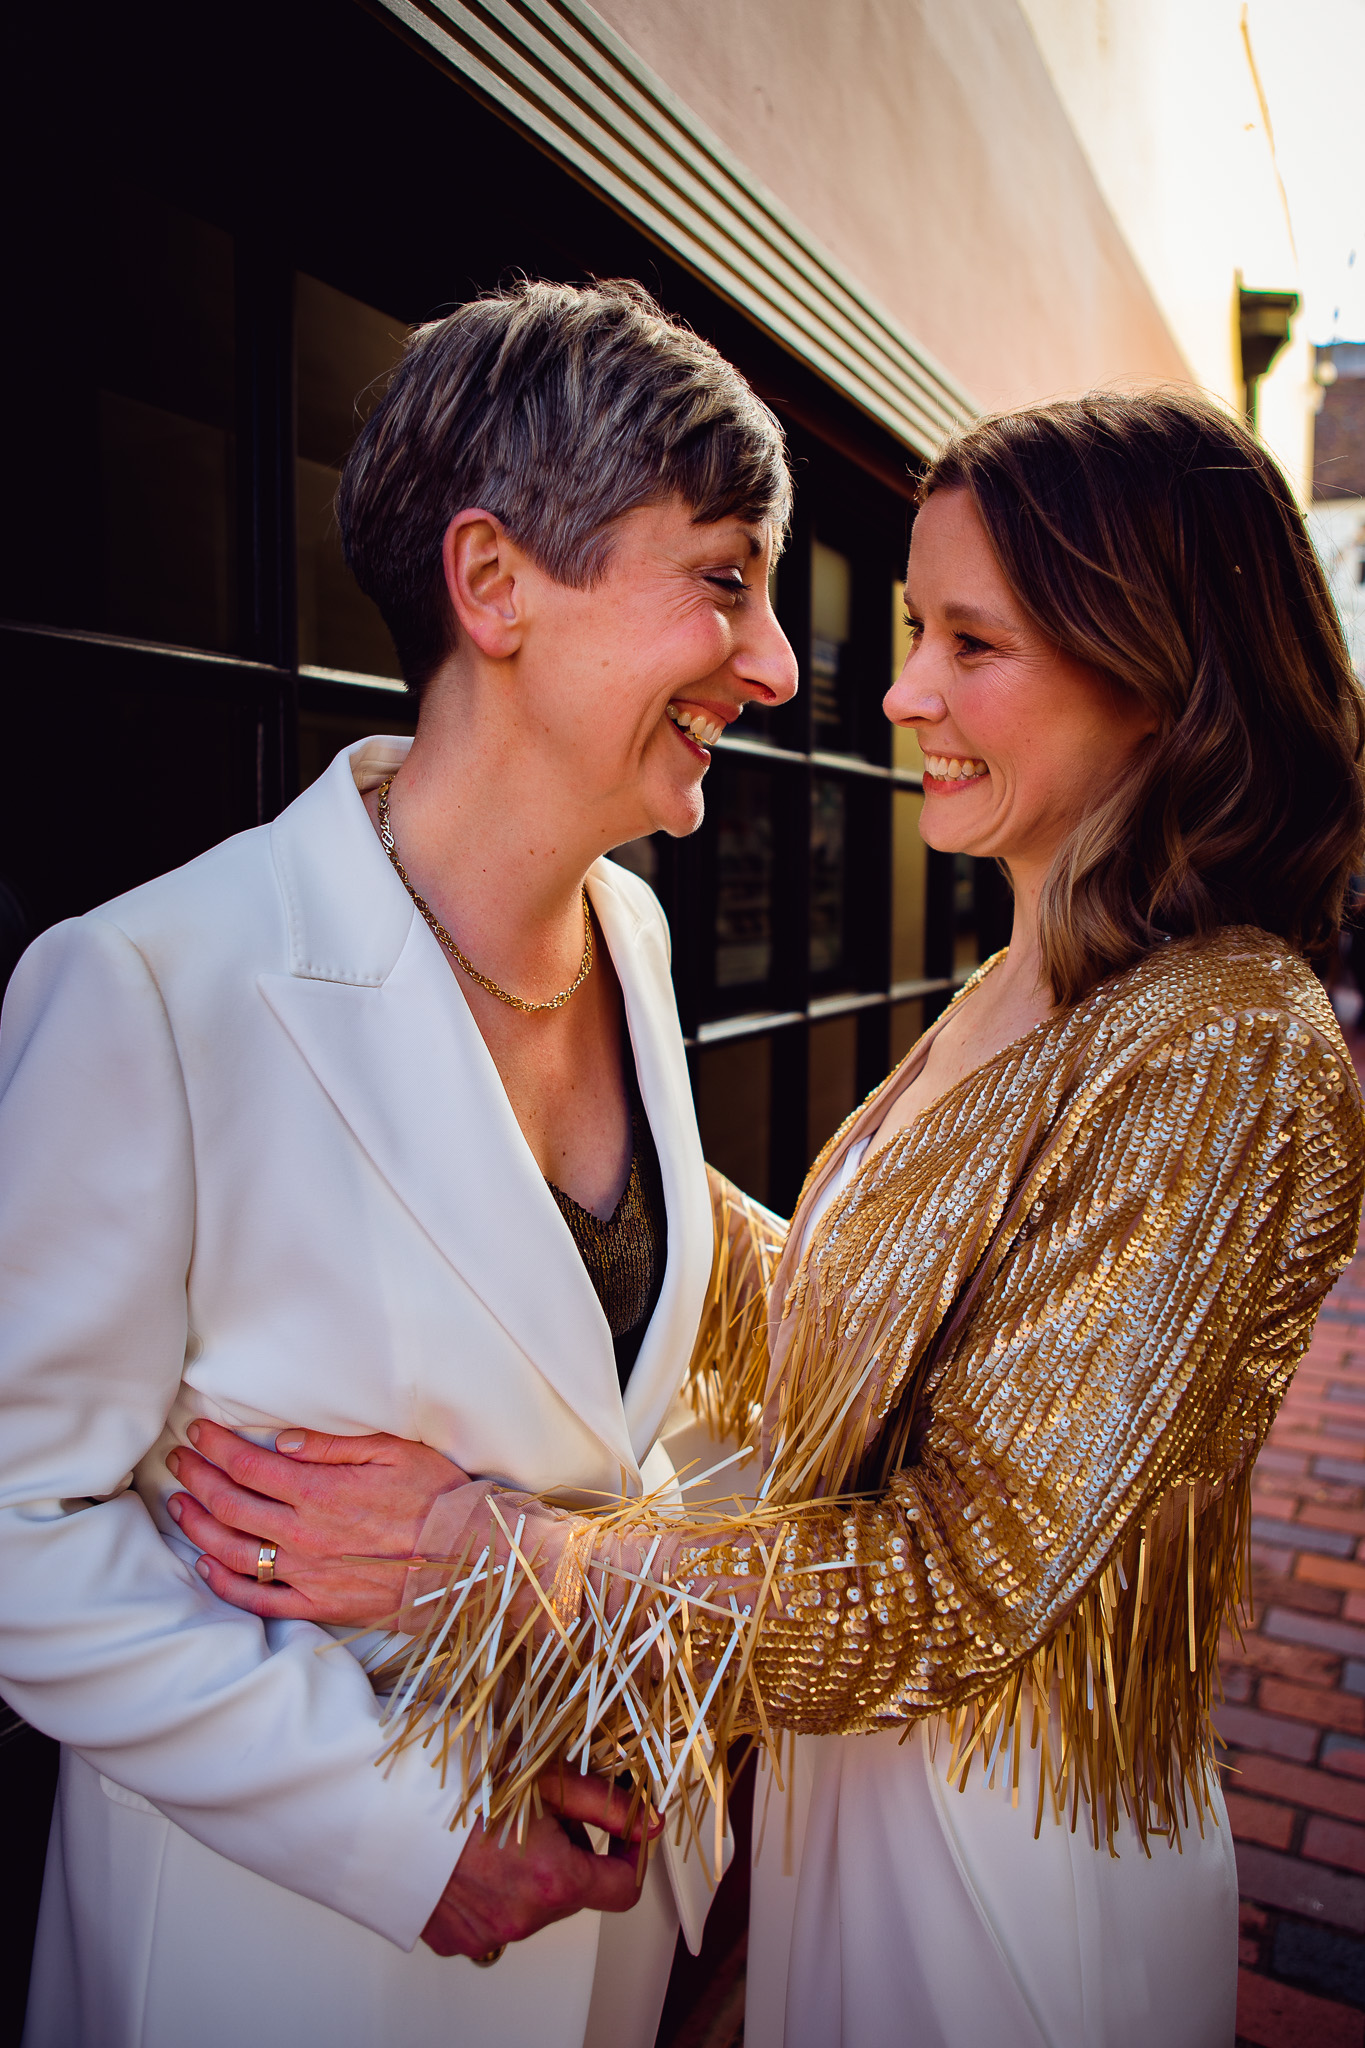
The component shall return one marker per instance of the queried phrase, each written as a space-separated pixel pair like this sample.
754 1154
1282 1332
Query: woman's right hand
345 1513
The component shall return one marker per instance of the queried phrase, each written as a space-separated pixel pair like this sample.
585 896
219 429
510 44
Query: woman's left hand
324 1502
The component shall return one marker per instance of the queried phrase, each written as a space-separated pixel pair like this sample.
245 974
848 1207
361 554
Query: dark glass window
733 1085
121 458
907 1025
832 1089
346 351
166 426
641 856
828 845
831 601
739 802
909 869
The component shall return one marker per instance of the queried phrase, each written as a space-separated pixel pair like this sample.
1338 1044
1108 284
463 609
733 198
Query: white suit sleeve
259 1741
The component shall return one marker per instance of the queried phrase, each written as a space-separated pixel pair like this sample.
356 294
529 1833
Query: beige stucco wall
925 144
1163 98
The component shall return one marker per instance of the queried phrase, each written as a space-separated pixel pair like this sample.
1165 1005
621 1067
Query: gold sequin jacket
1010 1397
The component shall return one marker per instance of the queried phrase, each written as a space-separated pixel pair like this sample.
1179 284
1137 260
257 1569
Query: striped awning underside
568 81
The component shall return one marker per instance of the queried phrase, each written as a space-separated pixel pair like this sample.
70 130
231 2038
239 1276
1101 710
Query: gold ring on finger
265 1564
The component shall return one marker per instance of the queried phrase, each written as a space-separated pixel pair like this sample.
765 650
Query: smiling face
1019 739
624 685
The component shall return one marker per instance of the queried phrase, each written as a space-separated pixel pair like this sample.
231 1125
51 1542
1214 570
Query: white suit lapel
373 1008
639 955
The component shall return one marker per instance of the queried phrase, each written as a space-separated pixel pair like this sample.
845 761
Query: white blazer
257 1164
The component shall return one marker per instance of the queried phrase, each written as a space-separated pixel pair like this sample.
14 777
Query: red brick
1283 1499
1353 1608
1331 1493
1322 1443
1330 1571
1319 1411
1339 1354
1268 1559
1287 1660
1251 1925
1330 1841
1335 1419
1256 1820
1349 1471
1273 1589
1329 1896
1308 1703
1247 1729
1340 1638
1350 1764
1273 1459
1329 1516
1274 2015
1295 1783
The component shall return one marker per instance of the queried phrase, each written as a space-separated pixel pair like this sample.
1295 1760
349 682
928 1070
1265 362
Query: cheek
655 659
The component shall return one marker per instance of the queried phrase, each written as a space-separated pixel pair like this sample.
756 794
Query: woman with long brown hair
1038 1304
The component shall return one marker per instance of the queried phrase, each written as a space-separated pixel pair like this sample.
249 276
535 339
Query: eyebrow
968 614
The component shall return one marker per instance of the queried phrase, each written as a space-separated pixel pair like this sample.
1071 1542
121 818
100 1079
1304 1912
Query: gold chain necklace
484 980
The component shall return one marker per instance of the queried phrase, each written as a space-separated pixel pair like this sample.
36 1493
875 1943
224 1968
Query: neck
1024 967
498 849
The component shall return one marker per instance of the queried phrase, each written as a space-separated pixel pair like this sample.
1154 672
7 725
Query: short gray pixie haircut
557 408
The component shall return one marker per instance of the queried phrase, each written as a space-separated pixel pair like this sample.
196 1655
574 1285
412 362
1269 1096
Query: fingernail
193 1432
175 1506
202 1567
173 1463
289 1440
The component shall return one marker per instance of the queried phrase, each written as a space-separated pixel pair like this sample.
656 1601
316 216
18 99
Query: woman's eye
732 583
914 627
970 645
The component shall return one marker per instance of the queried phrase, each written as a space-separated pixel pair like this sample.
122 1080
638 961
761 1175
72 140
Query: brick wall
1294 1712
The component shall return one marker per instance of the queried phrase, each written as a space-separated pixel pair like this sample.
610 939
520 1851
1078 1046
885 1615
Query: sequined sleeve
1131 1336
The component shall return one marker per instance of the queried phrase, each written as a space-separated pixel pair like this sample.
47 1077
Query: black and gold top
625 1255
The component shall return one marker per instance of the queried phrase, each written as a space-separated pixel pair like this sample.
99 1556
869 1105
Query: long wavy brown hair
1156 540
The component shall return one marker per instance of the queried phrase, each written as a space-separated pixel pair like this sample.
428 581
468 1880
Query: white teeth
948 767
706 731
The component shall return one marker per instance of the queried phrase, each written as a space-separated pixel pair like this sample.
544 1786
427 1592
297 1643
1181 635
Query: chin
678 812
945 840
949 834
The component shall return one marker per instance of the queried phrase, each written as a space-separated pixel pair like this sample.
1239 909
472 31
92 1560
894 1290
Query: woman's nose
767 660
912 698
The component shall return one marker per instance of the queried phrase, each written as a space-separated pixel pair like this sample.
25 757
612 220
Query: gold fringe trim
728 1373
625 1673
1119 1700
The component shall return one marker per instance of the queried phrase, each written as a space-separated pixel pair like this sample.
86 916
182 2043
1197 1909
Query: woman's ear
484 571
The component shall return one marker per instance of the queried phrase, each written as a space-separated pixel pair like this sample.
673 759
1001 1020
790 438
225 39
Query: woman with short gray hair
378 1119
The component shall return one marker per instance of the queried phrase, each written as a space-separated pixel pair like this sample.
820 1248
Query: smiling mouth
953 770
695 725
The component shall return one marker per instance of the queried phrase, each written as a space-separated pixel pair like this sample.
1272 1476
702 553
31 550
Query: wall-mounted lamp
1264 323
